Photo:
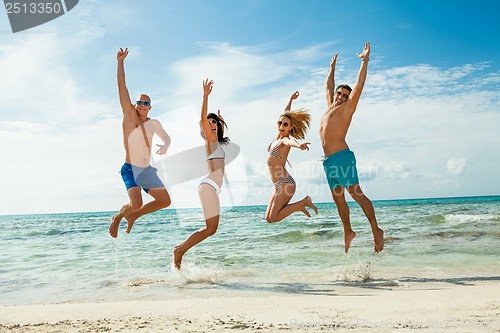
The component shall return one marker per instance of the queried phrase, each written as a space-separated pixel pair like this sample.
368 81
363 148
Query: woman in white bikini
212 127
294 124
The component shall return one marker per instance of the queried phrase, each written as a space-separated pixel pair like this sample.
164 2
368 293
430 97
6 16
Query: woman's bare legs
278 207
211 210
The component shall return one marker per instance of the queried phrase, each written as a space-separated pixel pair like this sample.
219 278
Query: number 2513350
33 8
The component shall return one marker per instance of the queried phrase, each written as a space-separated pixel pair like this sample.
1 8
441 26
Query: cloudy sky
427 124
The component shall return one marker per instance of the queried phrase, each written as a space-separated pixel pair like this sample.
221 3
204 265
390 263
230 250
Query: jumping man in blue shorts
137 173
340 163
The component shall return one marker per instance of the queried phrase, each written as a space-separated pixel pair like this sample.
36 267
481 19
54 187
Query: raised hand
121 54
334 60
207 87
366 51
288 107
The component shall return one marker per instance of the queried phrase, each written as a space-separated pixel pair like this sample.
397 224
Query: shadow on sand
329 289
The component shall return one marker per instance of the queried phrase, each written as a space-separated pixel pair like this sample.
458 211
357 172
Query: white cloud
232 69
456 166
383 169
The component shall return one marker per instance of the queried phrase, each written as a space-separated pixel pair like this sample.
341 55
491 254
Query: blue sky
427 124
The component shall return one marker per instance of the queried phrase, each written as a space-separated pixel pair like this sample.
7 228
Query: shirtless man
340 163
138 130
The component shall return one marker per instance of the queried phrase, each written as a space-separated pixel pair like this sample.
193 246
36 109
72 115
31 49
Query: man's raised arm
358 88
330 81
122 87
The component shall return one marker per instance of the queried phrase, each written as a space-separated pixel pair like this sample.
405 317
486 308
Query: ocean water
57 258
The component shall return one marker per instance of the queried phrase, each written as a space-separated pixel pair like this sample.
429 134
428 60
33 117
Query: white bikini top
217 154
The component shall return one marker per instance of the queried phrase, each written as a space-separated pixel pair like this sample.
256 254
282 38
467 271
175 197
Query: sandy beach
458 305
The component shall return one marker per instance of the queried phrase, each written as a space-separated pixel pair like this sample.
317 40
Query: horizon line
259 205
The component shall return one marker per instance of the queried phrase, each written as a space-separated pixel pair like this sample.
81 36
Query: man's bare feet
348 237
115 223
130 223
177 257
379 240
310 204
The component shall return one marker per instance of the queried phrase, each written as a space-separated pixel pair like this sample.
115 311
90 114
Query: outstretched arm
360 83
207 89
122 87
330 81
295 95
295 144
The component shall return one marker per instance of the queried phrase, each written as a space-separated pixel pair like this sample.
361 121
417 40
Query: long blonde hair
300 120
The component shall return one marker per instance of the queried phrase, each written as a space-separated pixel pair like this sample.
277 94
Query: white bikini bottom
211 183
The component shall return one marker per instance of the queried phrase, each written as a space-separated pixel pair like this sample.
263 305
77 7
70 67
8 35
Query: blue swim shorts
146 178
340 169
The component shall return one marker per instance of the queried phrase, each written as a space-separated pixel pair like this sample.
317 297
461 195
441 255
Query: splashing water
356 274
190 273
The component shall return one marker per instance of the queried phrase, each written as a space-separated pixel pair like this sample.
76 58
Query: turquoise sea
58 258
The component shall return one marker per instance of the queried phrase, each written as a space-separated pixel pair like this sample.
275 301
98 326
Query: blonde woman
212 127
290 124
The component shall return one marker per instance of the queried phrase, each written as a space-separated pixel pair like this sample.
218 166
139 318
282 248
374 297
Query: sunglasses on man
145 103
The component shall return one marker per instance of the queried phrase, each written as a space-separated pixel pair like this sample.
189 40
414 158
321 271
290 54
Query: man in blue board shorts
340 169
340 163
138 131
